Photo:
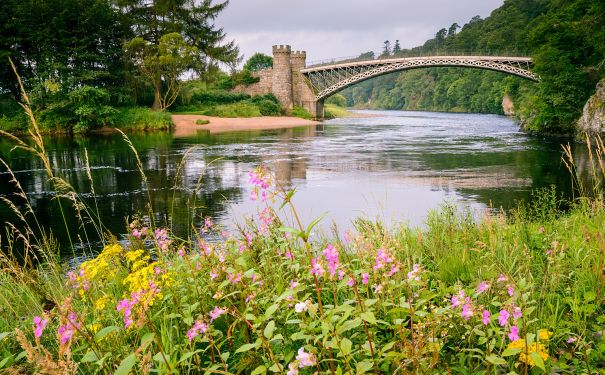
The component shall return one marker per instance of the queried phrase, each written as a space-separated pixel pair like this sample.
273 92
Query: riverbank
186 124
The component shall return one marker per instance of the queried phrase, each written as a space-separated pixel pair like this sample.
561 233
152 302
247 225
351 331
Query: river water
396 167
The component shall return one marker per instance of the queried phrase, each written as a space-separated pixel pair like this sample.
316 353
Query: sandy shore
185 124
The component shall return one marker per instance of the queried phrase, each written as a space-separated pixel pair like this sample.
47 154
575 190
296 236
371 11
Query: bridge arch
325 80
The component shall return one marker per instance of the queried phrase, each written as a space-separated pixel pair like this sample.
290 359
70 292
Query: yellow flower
102 302
131 256
94 327
517 344
544 334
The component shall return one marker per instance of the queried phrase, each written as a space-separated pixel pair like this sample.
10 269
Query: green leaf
246 347
146 340
314 223
260 370
363 367
348 325
4 335
510 351
188 355
104 332
271 310
294 231
538 361
89 357
495 360
345 346
368 316
126 365
5 360
268 332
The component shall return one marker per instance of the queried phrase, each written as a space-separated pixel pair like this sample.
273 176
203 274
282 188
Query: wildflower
414 274
351 281
517 313
208 223
457 299
482 287
511 290
502 278
394 270
486 317
198 327
101 302
294 284
365 278
131 256
289 255
67 330
125 306
544 334
305 359
316 267
216 313
250 297
514 333
213 275
331 255
181 252
377 288
503 318
253 195
292 369
40 324
571 340
467 311
300 307
234 278
382 259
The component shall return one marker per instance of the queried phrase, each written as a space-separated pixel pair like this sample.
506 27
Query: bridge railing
410 53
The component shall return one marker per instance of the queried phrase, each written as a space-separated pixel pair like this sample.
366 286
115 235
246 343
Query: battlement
282 49
299 54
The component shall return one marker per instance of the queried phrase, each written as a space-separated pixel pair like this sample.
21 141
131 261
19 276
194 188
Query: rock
593 115
508 107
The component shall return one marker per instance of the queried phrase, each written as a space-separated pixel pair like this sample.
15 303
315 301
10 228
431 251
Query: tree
258 61
386 51
453 29
440 38
163 64
397 48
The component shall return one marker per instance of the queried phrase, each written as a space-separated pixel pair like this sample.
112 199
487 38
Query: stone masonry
286 82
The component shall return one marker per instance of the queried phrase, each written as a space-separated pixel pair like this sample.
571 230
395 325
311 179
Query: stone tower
282 76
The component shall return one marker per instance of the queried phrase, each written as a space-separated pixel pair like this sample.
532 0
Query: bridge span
295 84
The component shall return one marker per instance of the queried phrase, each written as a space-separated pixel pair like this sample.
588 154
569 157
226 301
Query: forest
566 40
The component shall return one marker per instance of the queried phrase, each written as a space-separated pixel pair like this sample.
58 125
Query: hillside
565 38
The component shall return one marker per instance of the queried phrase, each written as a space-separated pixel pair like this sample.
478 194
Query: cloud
338 28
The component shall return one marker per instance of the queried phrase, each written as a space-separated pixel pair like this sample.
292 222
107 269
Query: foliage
200 121
141 118
241 109
333 111
302 113
162 64
258 61
83 109
227 104
337 100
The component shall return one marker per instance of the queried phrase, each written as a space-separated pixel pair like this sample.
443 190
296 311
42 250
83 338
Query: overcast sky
339 28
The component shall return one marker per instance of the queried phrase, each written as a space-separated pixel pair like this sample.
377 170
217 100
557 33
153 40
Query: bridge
296 84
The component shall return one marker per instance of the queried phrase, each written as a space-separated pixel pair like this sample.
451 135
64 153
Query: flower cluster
198 327
303 359
331 260
99 269
260 179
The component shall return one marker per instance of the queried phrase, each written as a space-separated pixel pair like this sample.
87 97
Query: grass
334 111
140 118
301 113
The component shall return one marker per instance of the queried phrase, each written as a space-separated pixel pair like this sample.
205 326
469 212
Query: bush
235 110
268 104
338 100
140 118
202 122
16 123
334 111
210 98
302 113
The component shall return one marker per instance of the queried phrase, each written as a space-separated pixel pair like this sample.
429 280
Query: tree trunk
157 99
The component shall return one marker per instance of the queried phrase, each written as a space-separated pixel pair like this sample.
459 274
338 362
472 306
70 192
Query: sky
329 29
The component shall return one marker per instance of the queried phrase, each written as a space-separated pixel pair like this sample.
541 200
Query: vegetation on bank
564 38
518 292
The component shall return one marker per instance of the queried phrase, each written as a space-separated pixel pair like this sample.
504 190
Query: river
396 167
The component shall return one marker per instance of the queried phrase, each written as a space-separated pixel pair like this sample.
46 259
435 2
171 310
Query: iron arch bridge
326 80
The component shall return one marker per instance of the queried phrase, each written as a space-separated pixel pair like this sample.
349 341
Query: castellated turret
282 75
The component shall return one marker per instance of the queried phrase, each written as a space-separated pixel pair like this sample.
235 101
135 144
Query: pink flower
351 281
517 314
67 330
198 327
305 359
40 324
365 278
457 299
254 194
502 278
316 267
486 317
394 270
382 259
467 311
511 290
514 333
294 284
482 287
377 288
571 340
235 278
216 313
208 223
213 275
331 255
289 255
414 274
503 318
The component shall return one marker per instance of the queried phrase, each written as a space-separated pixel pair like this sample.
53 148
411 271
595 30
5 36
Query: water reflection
396 167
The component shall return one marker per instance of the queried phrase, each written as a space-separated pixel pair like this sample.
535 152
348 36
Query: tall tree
386 49
258 61
397 48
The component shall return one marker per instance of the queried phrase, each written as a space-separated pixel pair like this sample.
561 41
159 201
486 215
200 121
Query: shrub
201 121
301 112
338 100
140 118
215 97
235 110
